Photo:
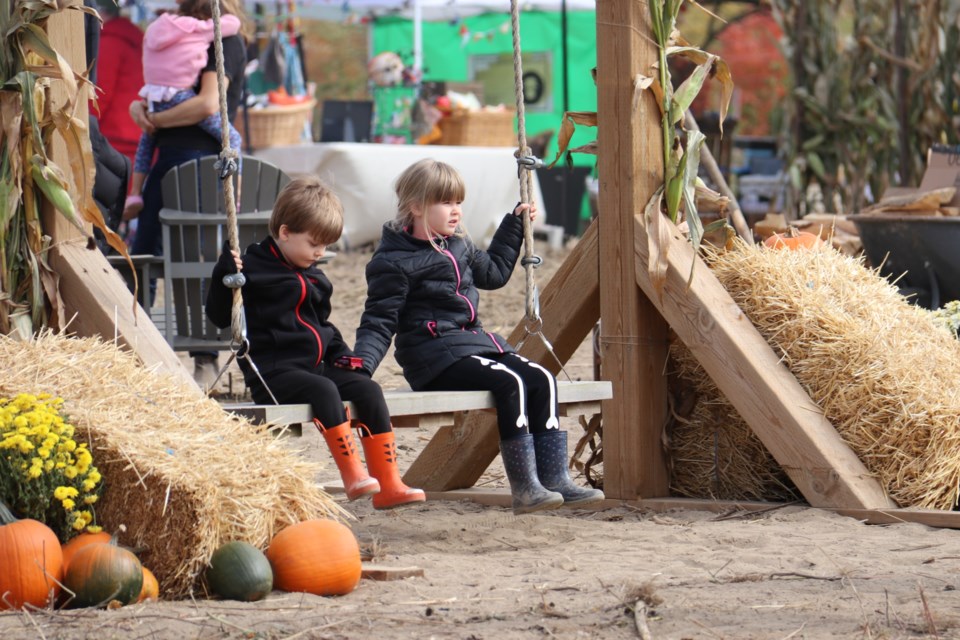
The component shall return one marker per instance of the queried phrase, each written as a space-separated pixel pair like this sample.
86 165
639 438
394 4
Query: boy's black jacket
287 310
429 300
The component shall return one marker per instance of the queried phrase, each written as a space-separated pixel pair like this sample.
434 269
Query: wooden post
633 342
93 294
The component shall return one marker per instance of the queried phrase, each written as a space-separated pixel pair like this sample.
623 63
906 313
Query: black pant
326 389
525 392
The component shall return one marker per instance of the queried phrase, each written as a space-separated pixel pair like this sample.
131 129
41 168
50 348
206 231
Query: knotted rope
529 261
227 166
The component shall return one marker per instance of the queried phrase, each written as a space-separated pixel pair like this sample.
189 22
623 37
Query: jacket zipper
316 334
456 268
296 309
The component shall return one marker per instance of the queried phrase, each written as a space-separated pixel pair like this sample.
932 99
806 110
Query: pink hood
175 48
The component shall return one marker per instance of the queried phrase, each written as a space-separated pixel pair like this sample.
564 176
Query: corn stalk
677 198
868 101
30 67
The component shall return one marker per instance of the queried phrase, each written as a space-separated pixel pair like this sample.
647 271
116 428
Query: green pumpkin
102 572
240 571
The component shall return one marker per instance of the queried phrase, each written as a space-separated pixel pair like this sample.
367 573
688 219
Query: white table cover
363 175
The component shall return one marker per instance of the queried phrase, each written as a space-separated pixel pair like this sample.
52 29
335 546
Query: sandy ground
620 572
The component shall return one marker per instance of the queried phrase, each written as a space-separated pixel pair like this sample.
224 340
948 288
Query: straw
179 473
886 375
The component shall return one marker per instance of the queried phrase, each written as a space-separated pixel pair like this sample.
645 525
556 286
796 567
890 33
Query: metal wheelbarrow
921 254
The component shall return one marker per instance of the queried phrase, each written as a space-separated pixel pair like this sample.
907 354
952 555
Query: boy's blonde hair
306 205
425 183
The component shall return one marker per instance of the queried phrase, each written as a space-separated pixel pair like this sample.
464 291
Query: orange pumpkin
151 588
321 557
802 240
31 562
70 549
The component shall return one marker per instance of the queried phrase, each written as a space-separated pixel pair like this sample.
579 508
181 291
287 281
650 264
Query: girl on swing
422 286
298 352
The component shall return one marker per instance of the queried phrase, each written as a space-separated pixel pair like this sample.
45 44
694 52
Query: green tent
479 49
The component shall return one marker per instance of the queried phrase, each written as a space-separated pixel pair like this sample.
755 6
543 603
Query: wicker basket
275 125
479 129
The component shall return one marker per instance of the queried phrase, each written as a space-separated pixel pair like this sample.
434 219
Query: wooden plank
384 573
425 405
633 340
751 376
93 293
455 458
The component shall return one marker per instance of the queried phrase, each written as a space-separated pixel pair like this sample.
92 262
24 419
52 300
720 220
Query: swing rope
529 261
527 162
228 167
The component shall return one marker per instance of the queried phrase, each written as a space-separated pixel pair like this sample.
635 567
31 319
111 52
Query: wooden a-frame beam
457 456
749 373
96 299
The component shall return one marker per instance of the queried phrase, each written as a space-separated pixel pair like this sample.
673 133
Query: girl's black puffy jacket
287 311
429 300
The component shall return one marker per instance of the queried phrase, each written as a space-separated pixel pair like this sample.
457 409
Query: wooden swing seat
429 409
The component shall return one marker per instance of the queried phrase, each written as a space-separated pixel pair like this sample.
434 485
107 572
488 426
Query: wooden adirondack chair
193 219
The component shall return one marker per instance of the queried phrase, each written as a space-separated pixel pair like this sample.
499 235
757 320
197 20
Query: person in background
179 139
119 77
422 287
174 54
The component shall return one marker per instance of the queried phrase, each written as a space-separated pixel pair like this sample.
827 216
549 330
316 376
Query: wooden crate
479 129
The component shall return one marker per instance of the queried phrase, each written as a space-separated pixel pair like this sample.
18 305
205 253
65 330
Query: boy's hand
523 206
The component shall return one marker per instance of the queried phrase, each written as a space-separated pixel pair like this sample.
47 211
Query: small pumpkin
321 557
802 240
102 572
78 542
240 571
31 562
151 588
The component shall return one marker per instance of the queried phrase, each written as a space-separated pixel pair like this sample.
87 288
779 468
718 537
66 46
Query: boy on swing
422 286
299 354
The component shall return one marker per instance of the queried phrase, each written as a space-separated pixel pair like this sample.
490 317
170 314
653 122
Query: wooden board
384 573
96 298
633 340
458 455
748 372
405 403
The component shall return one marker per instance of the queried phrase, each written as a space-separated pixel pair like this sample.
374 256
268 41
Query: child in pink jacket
174 52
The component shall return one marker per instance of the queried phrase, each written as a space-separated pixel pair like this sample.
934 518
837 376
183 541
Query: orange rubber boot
381 453
356 482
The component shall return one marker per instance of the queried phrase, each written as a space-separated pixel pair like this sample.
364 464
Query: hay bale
179 473
712 452
886 375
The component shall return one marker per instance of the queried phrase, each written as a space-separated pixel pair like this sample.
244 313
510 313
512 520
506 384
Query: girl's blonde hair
425 183
306 205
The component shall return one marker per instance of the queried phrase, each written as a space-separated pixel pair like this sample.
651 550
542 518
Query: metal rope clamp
530 163
536 261
227 164
234 280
